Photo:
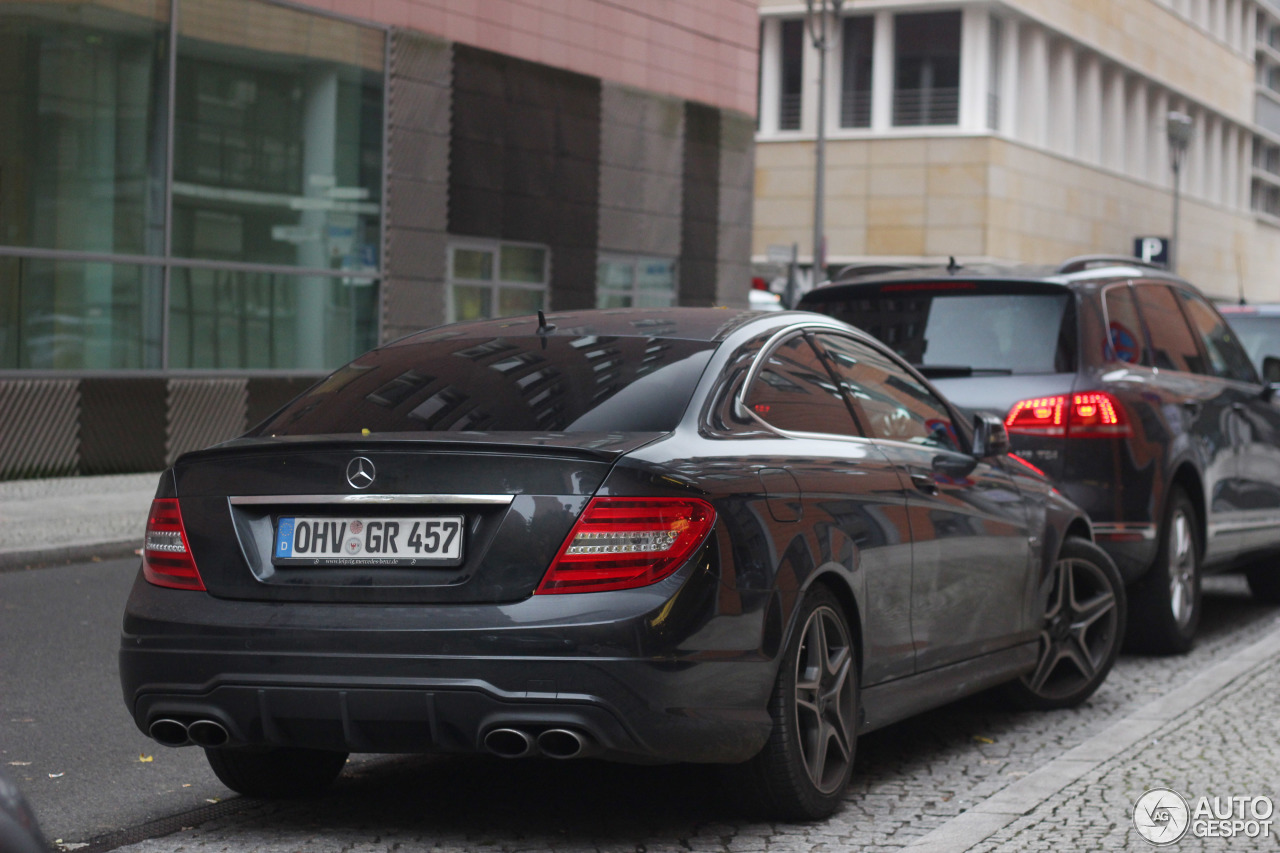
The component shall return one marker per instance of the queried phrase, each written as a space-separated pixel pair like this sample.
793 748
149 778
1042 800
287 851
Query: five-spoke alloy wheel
1164 607
804 768
1083 626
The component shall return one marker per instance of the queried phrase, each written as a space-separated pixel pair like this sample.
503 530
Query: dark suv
1124 385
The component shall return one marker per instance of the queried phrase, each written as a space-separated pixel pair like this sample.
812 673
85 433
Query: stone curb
999 810
38 558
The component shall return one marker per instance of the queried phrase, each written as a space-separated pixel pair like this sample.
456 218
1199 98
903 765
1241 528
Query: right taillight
624 543
1089 414
166 556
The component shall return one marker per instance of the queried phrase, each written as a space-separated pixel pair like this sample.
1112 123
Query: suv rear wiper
955 371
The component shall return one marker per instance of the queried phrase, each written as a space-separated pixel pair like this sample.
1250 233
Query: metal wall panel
700 228
122 425
39 428
202 412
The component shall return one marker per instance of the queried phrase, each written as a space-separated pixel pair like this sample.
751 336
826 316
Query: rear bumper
438 679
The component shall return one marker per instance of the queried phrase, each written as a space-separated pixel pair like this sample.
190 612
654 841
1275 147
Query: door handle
924 483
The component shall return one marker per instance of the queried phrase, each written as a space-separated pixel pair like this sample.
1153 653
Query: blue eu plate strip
284 538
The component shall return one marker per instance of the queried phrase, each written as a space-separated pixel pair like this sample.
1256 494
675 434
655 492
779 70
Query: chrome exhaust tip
169 732
208 733
509 743
562 743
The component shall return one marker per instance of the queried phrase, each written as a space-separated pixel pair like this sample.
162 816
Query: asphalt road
65 736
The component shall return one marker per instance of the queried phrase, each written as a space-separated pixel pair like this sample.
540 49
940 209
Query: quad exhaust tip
509 743
169 732
207 733
561 743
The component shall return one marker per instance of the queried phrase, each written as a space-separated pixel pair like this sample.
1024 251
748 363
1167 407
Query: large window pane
926 81
278 137
82 125
855 85
792 75
247 320
69 315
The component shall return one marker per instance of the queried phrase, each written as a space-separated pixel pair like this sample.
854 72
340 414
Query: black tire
804 768
1264 582
276 773
1164 604
1082 632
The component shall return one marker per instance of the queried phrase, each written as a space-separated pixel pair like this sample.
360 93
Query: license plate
431 540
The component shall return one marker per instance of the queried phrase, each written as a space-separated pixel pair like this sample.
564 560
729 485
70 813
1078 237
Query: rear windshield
987 333
555 384
1260 336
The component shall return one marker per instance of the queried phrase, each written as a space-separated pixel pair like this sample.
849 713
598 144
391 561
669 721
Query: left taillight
623 543
166 555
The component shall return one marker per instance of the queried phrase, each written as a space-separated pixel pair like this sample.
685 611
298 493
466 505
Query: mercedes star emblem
360 473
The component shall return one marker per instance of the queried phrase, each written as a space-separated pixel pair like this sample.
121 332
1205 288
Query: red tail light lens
1092 414
166 557
623 543
1039 416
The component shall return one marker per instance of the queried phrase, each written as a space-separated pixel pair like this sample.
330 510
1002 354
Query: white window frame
497 283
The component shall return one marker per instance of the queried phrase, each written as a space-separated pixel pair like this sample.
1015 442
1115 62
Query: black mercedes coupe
664 535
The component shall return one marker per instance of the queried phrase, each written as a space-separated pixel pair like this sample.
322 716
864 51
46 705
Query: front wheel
1164 605
276 772
1081 633
804 768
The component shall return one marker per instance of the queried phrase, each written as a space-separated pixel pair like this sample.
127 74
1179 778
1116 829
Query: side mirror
989 436
1270 370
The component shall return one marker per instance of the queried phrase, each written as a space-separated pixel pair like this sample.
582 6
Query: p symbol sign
1152 250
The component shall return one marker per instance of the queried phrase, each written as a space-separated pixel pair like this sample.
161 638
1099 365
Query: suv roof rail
1083 262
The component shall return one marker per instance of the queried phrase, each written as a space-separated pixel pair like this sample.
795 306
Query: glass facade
109 249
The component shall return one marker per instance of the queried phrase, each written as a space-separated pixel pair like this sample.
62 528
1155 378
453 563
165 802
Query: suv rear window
962 327
558 384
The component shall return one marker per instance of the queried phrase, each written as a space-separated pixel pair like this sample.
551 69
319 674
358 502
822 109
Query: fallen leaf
212 800
146 759
186 784
57 775
981 739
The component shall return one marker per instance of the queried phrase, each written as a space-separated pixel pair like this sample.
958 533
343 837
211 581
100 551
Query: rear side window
438 382
1173 345
1128 343
1226 357
794 392
889 402
1019 331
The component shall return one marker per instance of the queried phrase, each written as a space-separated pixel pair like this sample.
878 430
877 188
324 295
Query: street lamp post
1178 128
816 18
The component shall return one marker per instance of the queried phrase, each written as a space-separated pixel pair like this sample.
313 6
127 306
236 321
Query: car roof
697 324
1077 272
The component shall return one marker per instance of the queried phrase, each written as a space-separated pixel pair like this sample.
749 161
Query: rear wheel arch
838 586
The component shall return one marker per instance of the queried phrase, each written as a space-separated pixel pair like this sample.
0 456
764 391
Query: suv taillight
166 558
623 543
1090 414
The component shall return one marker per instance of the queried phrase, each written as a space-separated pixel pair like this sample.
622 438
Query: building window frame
494 283
634 291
